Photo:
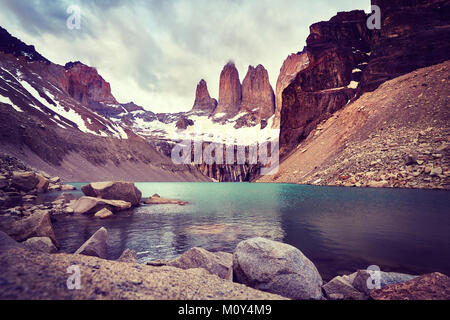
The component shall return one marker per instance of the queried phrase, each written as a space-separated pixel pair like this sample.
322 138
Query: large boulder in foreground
114 190
88 205
277 268
218 263
37 225
96 246
433 286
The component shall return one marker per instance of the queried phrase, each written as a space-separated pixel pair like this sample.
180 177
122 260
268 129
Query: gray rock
386 279
67 187
96 246
87 205
129 256
37 225
341 288
43 183
42 244
114 190
104 213
24 180
276 267
218 263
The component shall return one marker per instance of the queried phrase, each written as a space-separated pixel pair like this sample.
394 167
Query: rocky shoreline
258 268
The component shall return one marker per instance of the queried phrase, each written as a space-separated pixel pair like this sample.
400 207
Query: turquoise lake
339 229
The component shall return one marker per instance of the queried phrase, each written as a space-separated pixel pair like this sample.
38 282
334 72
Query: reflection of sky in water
339 229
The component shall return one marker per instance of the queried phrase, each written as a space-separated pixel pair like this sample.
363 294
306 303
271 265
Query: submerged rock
277 268
96 246
218 263
156 199
114 190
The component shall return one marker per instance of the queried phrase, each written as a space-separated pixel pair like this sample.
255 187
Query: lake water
339 229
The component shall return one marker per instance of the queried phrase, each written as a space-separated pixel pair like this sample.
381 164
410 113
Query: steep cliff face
413 34
257 93
85 85
230 91
348 59
293 64
338 52
203 100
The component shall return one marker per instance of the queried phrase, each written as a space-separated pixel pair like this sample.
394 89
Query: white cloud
154 53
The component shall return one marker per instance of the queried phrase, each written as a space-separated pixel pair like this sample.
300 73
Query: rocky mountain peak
257 93
293 64
12 45
85 85
203 100
230 91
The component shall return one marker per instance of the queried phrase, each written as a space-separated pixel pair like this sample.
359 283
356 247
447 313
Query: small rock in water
104 213
96 245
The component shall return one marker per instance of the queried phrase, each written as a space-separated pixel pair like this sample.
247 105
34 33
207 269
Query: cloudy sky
154 52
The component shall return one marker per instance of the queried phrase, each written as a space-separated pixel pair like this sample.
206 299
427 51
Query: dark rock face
336 50
131 106
413 34
10 44
203 100
230 91
257 93
184 123
293 64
